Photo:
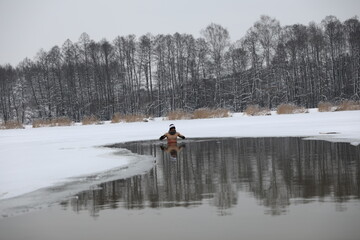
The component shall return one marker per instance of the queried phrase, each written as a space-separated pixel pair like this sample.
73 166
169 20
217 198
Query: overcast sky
26 26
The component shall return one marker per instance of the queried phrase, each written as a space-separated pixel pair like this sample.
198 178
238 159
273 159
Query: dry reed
88 120
11 125
325 107
290 109
178 115
40 123
210 113
348 105
117 117
134 118
255 110
60 121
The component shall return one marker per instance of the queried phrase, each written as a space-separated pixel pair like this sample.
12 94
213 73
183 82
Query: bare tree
268 30
218 39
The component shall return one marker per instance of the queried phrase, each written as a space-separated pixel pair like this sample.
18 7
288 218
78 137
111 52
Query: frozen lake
249 188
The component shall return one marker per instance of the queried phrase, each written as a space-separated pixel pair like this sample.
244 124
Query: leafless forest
152 75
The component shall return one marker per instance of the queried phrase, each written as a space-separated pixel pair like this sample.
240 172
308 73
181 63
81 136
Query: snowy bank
33 159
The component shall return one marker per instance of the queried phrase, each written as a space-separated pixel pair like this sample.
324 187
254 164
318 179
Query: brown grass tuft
60 121
255 110
11 125
41 123
221 113
198 114
210 113
348 106
134 118
178 115
290 109
325 107
116 118
90 120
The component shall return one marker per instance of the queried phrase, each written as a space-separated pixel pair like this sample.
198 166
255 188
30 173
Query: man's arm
181 136
162 137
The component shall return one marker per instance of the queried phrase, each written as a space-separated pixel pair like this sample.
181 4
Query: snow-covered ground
33 159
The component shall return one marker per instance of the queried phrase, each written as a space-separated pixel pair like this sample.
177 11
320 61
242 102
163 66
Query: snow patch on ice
138 164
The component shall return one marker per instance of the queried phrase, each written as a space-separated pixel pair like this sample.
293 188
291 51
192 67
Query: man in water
172 135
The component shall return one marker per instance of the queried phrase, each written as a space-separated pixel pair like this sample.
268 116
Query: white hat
171 126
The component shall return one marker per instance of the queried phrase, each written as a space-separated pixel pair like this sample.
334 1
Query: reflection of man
172 135
173 149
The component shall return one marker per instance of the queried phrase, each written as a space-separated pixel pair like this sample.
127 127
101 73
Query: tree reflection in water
275 171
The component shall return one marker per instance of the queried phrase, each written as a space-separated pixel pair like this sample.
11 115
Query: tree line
153 75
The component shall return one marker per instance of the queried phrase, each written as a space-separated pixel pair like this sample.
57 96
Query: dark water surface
248 188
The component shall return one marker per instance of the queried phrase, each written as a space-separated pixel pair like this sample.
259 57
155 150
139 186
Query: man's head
172 129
